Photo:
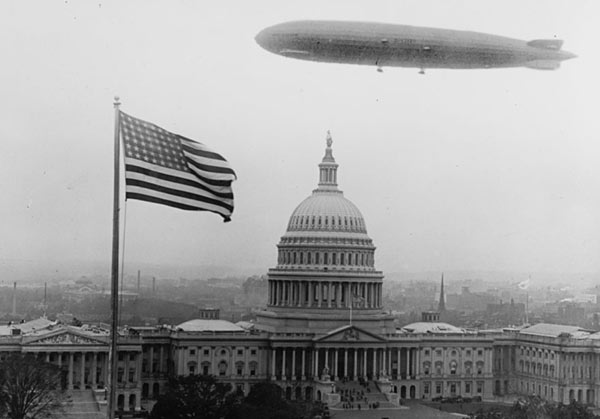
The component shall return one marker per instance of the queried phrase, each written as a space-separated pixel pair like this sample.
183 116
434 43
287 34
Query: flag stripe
200 150
137 172
157 200
211 170
175 195
141 180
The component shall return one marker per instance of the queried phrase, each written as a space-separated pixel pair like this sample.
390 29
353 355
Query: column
94 369
389 368
303 375
82 372
374 363
138 368
161 368
365 363
383 358
151 360
355 370
273 356
310 293
59 354
408 365
329 294
246 366
327 358
319 293
47 356
418 362
345 362
335 364
398 365
338 296
283 372
70 381
293 363
316 362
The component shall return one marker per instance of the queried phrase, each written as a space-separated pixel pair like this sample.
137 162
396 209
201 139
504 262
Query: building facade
324 328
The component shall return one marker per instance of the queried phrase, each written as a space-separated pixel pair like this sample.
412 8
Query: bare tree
30 388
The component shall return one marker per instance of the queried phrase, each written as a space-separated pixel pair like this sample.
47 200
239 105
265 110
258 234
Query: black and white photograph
300 210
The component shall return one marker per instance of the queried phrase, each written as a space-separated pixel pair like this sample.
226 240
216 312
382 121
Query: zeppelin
388 45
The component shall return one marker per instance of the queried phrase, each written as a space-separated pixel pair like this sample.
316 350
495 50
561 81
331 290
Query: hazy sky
454 170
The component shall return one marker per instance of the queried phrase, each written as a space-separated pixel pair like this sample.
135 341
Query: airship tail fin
543 64
554 44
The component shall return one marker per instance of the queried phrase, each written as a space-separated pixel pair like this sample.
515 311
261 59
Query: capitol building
324 329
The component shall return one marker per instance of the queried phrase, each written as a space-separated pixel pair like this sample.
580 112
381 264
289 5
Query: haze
493 170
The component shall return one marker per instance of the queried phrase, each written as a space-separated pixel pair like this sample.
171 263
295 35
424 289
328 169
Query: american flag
169 169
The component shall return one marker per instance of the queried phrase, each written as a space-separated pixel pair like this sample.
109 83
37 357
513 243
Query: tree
265 401
195 397
30 388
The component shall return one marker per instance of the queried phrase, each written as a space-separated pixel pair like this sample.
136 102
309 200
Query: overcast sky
453 170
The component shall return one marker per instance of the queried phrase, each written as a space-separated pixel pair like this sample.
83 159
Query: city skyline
490 170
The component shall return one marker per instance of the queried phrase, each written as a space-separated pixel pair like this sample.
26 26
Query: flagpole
114 296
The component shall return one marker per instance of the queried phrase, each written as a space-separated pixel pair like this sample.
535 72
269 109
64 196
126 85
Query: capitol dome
326 231
325 272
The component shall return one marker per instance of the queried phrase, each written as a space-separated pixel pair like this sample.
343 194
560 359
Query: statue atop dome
329 140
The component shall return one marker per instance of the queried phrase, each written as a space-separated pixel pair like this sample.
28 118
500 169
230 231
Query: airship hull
391 45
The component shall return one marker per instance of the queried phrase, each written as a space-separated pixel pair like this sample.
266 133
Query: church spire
328 169
442 303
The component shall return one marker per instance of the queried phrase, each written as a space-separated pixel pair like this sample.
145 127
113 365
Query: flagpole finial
117 101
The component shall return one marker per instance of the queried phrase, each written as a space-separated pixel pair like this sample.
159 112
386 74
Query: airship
391 45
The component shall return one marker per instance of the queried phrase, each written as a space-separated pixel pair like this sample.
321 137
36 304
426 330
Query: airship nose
264 38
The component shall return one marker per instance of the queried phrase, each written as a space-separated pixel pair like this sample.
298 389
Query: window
192 369
426 367
206 368
468 367
239 368
453 388
253 366
438 368
222 368
438 352
223 352
426 352
438 388
453 366
480 352
468 352
468 387
253 352
240 352
120 372
207 352
479 386
479 368
192 352
426 388
453 353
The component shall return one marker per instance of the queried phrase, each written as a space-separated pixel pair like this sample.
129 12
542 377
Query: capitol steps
361 395
83 405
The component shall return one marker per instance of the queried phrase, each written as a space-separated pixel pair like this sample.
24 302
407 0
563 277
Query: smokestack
14 310
153 285
138 288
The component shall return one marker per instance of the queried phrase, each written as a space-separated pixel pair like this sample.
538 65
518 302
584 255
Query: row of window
452 368
326 258
439 352
453 387
222 352
536 353
205 368
320 221
539 368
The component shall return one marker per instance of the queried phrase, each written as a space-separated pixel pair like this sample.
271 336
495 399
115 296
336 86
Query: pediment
350 333
65 337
